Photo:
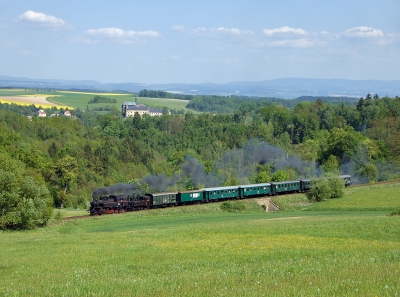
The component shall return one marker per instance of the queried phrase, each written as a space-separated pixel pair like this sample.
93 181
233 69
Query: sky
208 41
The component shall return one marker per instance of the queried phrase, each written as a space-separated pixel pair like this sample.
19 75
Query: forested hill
61 160
229 104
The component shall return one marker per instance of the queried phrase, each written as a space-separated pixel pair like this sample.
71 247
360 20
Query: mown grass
293 202
77 99
382 197
68 213
81 99
374 197
202 250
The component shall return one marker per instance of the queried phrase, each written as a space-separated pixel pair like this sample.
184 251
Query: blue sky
199 41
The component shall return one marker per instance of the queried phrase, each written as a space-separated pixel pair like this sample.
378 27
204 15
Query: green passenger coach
254 190
221 193
285 187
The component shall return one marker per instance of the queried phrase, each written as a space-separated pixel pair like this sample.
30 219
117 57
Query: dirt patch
267 204
38 100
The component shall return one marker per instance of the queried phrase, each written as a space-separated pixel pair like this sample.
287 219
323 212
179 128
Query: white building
41 113
130 108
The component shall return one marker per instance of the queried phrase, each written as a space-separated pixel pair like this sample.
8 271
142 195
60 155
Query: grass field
203 251
81 99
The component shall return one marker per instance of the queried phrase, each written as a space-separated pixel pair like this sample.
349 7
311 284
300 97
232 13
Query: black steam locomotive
122 203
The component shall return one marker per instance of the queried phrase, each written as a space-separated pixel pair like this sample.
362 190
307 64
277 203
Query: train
124 203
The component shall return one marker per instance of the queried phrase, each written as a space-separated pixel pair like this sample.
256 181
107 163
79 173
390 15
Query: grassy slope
373 197
384 197
202 251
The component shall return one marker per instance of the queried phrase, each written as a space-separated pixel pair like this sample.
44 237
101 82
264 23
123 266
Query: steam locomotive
122 203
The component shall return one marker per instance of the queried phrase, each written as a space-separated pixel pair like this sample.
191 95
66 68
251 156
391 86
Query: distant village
42 114
128 109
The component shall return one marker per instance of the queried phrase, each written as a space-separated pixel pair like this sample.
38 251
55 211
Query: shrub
395 213
230 206
325 187
336 184
24 203
58 216
320 189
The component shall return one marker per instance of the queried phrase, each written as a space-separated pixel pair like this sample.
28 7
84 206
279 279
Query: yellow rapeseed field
37 100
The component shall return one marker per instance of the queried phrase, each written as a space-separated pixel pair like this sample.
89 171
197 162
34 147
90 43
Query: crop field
202 250
70 99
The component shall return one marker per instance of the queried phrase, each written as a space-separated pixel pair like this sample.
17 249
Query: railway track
76 217
352 186
376 184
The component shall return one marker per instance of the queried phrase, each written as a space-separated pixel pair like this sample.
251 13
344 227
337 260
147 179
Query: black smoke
117 189
240 163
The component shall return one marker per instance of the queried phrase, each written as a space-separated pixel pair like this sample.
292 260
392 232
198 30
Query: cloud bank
363 32
117 34
41 19
284 30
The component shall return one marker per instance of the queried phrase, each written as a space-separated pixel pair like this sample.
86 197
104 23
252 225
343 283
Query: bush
58 216
230 206
395 213
325 187
336 184
320 189
24 203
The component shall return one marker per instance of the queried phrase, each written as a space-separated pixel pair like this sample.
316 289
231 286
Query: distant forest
228 104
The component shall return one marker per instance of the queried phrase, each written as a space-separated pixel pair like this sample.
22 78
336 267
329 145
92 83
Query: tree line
102 99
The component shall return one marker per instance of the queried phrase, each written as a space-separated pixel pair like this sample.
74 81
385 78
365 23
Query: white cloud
222 38
293 37
284 30
233 31
117 34
41 19
221 30
363 32
180 27
292 43
26 52
226 61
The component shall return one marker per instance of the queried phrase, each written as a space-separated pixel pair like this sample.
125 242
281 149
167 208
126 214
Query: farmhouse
130 108
41 113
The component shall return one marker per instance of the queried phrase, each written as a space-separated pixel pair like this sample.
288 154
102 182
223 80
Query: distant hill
287 88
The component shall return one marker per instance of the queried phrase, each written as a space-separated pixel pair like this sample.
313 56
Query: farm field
80 99
201 250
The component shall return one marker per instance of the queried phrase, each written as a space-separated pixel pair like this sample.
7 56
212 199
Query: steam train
122 203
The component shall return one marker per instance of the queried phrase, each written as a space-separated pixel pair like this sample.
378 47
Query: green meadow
81 99
201 250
